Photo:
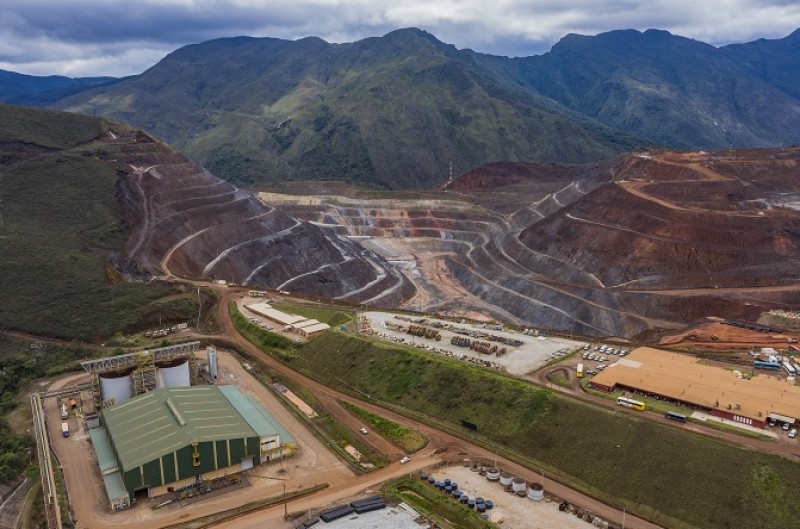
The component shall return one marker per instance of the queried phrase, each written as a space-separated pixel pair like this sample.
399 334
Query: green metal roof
104 451
115 488
259 419
155 424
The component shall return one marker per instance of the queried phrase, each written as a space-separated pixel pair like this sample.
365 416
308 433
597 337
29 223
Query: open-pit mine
649 241
645 242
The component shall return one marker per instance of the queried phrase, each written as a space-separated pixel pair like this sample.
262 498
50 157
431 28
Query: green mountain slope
393 111
61 233
672 91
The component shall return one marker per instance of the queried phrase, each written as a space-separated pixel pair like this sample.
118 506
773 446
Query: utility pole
199 308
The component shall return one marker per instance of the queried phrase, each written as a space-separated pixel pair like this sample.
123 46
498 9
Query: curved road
439 440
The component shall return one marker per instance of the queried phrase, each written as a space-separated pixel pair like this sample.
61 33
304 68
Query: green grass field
670 476
407 439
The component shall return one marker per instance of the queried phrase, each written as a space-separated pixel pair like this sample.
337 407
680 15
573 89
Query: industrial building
174 437
713 390
299 324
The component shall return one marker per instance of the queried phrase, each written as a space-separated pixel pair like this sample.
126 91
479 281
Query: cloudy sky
122 37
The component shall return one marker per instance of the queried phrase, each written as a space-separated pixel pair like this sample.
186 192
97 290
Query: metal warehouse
684 379
174 437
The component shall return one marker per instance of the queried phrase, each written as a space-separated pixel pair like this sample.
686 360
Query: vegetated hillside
391 111
61 233
40 91
671 91
395 111
665 474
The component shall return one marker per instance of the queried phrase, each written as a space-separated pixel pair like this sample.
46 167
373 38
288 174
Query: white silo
174 375
116 388
212 363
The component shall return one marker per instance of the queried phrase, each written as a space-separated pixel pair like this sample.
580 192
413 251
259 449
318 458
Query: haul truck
65 429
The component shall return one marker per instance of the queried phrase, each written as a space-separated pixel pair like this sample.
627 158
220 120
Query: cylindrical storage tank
454 485
423 475
448 489
478 500
505 479
212 363
489 504
116 388
432 480
447 481
519 485
492 474
457 494
471 503
536 492
481 507
174 375
463 499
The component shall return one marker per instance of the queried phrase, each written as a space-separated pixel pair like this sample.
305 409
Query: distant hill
36 91
395 111
391 111
672 91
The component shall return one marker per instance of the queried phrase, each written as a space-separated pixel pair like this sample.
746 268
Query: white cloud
116 37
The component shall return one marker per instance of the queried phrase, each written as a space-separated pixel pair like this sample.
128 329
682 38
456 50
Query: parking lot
523 353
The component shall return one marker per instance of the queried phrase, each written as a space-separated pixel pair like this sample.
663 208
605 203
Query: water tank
505 479
536 492
424 476
492 474
519 485
116 387
174 375
212 363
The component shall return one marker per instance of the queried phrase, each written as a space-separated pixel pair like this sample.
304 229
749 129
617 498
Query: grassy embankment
670 476
61 232
406 438
329 429
447 513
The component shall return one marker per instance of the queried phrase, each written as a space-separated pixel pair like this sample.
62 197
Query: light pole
285 507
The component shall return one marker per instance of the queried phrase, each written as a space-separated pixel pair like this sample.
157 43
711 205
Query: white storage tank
116 388
536 492
212 363
174 375
492 474
505 479
519 485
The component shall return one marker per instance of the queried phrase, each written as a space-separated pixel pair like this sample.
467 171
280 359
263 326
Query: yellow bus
579 371
630 403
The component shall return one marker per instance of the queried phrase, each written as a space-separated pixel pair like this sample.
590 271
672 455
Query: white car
405 460
793 433
363 430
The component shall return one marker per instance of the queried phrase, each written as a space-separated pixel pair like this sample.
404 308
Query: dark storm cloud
93 37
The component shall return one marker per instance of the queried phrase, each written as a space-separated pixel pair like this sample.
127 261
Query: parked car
405 460
363 430
793 433
786 426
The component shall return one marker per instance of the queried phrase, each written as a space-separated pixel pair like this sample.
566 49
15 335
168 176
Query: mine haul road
438 441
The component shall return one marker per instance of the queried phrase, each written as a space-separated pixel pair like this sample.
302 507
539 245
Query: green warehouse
173 437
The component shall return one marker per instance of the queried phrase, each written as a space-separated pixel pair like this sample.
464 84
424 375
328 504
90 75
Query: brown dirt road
438 440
